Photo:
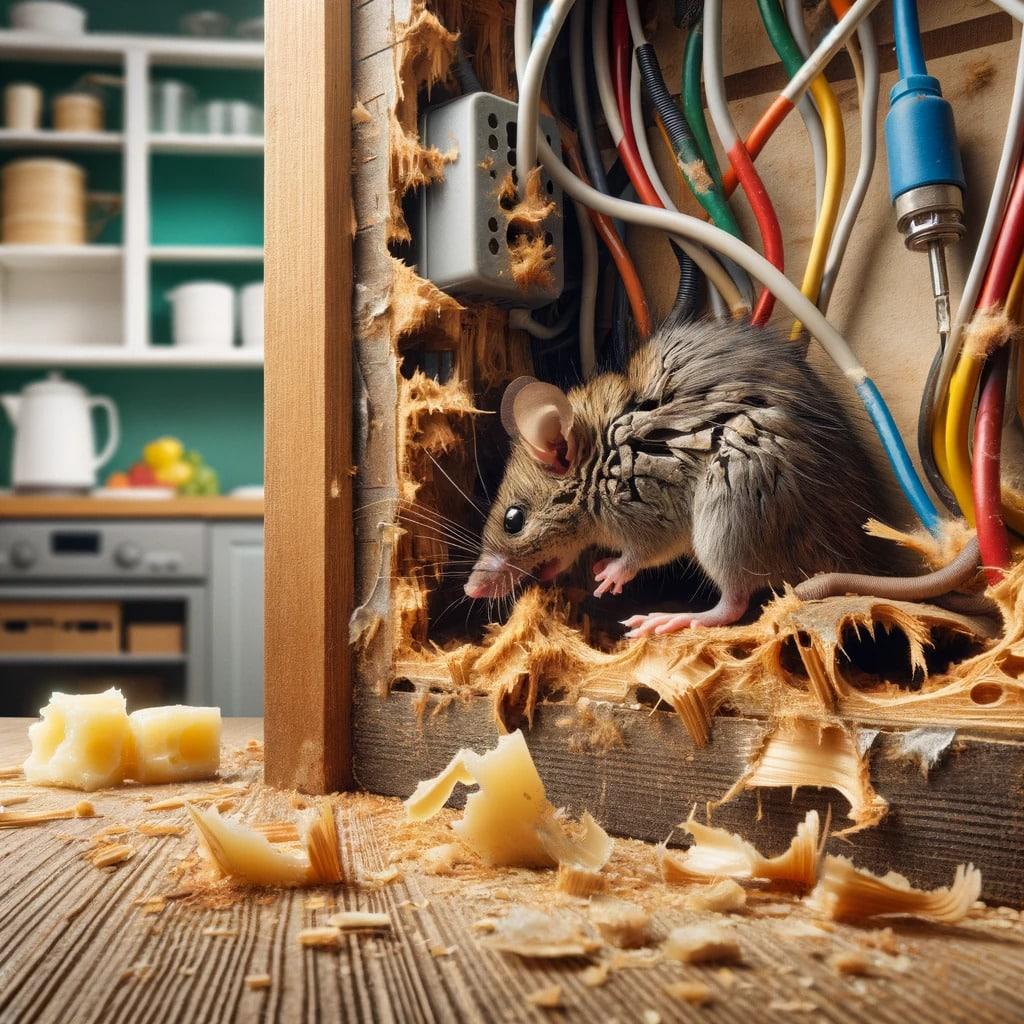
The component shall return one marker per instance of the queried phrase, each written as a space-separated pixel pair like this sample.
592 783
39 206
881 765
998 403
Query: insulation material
419 308
801 753
846 893
424 50
718 853
531 255
925 746
509 820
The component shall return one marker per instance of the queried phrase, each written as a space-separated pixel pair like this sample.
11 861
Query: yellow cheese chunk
80 741
174 744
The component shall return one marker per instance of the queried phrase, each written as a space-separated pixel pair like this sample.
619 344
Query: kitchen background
131 248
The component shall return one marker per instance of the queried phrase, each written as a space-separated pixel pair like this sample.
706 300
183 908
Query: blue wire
906 474
907 35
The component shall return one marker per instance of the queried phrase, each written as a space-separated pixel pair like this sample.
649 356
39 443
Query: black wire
688 292
676 126
464 73
924 437
688 13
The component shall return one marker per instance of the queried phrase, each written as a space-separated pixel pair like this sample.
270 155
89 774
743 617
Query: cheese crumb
623 924
173 744
850 963
320 938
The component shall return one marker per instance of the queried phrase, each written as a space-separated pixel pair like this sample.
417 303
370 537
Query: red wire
985 469
767 223
988 421
622 59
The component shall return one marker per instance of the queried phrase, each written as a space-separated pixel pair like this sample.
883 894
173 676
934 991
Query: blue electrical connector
926 175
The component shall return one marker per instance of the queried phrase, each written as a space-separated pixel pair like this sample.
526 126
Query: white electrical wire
1008 160
807 108
602 70
866 167
833 41
1012 7
588 291
676 223
522 320
717 276
530 84
714 82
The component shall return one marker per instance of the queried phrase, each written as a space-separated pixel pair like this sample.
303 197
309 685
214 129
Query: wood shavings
13 800
199 797
11 771
620 922
846 893
696 993
577 881
792 1006
437 951
529 932
278 831
386 876
442 860
548 998
242 854
800 753
596 975
152 905
111 855
324 937
257 982
724 897
359 921
21 819
718 853
850 964
360 115
158 829
510 823
216 932
701 944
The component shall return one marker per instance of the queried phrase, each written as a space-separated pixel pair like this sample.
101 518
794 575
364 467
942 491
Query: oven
85 605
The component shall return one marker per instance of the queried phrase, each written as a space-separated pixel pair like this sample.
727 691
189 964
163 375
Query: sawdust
988 330
591 732
531 261
360 115
978 76
418 307
696 172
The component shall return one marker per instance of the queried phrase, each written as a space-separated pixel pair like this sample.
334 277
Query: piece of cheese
509 820
174 744
80 741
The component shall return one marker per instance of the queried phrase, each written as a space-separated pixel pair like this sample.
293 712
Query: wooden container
155 638
60 627
44 202
77 112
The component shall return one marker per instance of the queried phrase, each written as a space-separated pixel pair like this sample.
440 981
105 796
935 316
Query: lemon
177 474
163 452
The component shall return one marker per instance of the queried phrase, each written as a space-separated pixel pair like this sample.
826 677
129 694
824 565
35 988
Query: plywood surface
75 947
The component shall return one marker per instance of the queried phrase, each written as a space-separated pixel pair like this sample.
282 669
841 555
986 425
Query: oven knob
23 555
128 555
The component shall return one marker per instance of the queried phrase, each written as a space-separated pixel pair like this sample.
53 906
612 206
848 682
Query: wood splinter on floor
257 982
111 855
19 819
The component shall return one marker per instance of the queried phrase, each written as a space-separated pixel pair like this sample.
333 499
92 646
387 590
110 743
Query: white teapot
54 443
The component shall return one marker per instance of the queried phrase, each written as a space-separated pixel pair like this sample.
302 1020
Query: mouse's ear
540 414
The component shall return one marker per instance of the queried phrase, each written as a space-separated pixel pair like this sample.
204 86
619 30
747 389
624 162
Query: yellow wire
963 386
832 196
956 427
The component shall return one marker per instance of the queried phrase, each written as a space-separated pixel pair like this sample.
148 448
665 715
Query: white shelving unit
90 305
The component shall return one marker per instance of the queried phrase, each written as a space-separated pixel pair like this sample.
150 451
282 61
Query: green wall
158 17
218 412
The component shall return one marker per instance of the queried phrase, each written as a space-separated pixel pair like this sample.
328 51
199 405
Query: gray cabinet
236 618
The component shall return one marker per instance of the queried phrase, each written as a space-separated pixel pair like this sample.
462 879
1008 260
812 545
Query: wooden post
309 548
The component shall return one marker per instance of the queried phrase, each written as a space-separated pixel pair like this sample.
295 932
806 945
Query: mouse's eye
515 519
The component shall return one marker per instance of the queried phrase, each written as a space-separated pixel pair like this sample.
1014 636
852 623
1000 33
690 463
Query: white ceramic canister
171 105
51 16
23 106
203 314
251 301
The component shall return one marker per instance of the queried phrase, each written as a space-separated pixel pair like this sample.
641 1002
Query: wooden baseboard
968 808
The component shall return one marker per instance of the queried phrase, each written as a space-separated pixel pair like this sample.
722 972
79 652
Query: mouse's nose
490 577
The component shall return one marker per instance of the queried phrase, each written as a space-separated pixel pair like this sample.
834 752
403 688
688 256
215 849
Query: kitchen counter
14 507
97 944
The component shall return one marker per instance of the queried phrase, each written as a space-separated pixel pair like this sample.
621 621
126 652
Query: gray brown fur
720 442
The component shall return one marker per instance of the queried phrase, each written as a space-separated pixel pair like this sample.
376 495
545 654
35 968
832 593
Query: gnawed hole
987 694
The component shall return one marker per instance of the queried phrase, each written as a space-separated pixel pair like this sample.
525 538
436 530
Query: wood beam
308 374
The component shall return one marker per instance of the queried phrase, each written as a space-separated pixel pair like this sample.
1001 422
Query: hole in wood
987 694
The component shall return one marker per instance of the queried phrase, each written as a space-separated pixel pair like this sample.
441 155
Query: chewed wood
968 809
74 946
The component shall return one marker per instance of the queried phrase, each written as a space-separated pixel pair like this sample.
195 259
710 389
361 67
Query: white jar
251 302
23 106
203 314
51 16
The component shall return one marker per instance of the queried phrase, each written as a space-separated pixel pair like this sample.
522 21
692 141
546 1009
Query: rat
718 442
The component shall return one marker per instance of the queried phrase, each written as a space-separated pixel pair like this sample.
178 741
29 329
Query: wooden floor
76 945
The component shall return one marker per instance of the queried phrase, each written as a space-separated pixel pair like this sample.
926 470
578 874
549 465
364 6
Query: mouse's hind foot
728 610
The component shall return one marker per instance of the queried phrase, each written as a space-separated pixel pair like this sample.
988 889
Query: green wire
693 101
780 35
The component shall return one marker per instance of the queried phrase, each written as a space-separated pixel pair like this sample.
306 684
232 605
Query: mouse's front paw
612 574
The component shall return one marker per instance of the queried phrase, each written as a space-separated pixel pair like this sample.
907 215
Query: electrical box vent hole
492 120
987 694
510 134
